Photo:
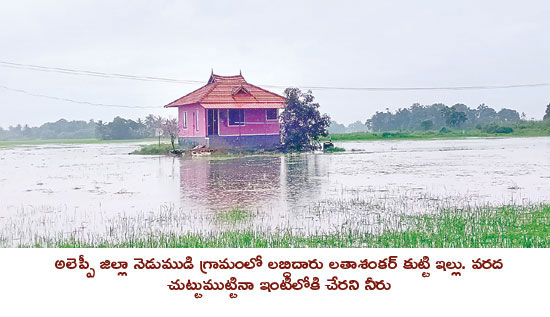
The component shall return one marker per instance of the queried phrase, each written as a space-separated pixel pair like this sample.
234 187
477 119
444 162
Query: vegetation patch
233 216
489 227
521 129
154 149
334 149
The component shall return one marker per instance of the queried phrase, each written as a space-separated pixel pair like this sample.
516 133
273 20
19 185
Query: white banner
322 282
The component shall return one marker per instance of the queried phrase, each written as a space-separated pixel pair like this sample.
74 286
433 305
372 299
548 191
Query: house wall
191 130
245 142
233 142
255 124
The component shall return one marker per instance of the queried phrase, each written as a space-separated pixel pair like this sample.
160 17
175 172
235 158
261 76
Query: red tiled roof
230 92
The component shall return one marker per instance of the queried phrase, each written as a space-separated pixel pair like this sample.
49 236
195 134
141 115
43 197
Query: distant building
229 113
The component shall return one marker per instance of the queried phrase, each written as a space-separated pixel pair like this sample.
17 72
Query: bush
334 149
154 149
504 130
495 128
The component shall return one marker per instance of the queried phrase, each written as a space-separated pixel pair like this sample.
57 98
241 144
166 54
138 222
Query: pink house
227 113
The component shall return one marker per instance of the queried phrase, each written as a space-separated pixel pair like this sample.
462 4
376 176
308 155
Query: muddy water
98 189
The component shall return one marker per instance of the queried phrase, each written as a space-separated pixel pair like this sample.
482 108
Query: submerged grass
233 216
487 227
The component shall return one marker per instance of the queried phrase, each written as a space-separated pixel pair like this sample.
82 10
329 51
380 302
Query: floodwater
95 191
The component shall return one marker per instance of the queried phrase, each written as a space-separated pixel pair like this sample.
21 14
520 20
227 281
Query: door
212 121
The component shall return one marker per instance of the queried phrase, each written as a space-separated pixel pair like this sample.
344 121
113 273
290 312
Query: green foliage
301 122
459 115
336 127
356 126
495 128
427 125
502 227
154 149
121 129
453 117
233 216
547 114
334 149
61 129
394 135
520 129
508 115
118 129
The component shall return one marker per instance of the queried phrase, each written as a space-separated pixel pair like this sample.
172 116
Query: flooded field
98 191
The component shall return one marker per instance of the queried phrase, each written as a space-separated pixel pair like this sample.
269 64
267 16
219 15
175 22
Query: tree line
117 129
438 116
354 127
435 117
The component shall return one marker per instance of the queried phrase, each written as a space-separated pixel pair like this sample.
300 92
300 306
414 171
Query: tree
120 129
301 122
170 127
427 125
486 114
454 118
508 115
336 127
547 115
357 126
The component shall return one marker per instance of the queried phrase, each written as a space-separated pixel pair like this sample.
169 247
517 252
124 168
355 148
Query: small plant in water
334 149
234 215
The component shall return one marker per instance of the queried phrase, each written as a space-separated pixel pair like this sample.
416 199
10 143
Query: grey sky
291 43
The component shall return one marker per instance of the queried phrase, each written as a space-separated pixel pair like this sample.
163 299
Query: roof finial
240 73
212 71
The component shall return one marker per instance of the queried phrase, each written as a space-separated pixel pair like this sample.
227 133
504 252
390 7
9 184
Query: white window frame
184 120
236 125
276 117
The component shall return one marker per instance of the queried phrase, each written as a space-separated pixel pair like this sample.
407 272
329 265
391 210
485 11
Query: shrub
495 128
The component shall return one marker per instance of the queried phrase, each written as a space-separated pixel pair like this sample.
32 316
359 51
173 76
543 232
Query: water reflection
226 184
251 182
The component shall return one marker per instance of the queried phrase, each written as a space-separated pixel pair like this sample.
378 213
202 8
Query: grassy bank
68 141
524 129
154 149
502 227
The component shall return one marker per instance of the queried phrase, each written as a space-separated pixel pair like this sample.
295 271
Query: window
197 121
236 116
271 114
184 120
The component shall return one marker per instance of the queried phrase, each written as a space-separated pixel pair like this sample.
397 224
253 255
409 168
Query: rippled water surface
96 190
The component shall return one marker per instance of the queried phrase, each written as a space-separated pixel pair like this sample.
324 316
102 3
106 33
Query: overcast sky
322 43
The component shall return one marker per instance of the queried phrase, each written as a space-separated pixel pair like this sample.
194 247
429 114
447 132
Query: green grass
68 141
233 216
488 227
334 149
523 129
154 149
